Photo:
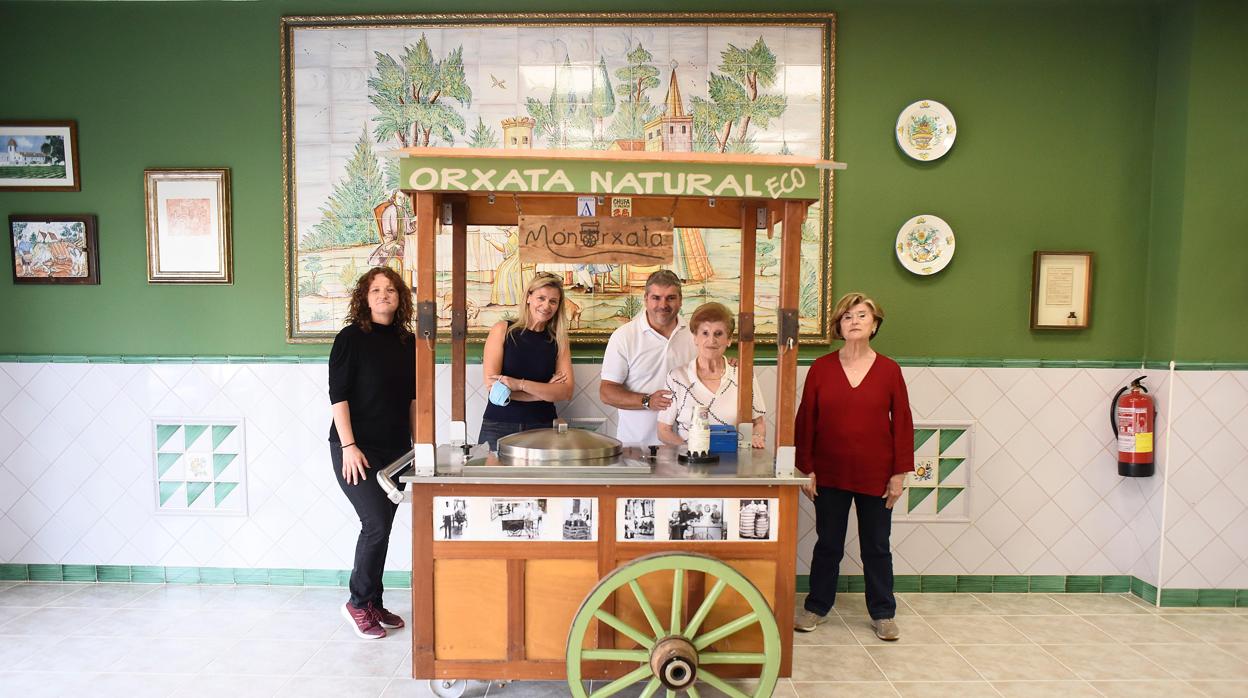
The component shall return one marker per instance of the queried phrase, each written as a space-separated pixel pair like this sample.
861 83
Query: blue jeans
492 431
874 526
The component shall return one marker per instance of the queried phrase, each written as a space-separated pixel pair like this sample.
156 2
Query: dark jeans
492 431
376 514
874 525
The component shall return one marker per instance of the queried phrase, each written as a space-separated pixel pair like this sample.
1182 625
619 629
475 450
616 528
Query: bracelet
348 446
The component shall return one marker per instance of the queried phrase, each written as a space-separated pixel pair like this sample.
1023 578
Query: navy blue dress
528 355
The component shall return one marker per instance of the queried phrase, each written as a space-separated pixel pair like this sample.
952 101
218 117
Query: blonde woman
531 358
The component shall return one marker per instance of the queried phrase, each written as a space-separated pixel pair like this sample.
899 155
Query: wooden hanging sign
598 240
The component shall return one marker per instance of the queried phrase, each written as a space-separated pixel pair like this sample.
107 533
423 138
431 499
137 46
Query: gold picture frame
1061 290
339 139
189 228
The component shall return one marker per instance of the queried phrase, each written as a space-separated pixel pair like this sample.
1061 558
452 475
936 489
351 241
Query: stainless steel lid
558 444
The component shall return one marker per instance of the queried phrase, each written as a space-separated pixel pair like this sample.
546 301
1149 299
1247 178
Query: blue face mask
500 394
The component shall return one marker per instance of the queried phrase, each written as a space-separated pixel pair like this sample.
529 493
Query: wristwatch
645 402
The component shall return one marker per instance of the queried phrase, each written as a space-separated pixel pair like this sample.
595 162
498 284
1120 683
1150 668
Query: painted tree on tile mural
412 96
601 102
482 136
635 110
562 120
722 123
347 217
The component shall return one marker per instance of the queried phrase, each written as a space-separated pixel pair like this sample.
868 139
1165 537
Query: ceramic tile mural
938 489
77 466
355 95
200 466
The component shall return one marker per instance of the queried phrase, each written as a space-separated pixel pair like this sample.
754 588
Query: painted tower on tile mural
673 129
518 132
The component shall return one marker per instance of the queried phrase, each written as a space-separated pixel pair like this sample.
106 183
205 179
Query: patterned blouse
688 394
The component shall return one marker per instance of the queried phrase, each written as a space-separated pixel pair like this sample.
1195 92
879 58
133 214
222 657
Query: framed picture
54 249
1061 290
357 89
188 226
39 156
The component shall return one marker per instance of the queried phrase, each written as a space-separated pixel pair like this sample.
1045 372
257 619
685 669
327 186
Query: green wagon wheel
673 657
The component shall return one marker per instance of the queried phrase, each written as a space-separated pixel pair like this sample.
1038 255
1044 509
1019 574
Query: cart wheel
674 658
448 688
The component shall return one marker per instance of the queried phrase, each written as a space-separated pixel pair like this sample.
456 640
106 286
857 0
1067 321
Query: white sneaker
805 621
886 629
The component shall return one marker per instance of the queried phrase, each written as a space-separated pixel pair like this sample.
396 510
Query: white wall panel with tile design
75 484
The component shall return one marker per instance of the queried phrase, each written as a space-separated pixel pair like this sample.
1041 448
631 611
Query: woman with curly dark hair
372 388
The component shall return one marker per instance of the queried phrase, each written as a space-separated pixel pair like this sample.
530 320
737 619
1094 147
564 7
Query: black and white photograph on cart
518 518
579 522
698 519
638 519
450 518
754 519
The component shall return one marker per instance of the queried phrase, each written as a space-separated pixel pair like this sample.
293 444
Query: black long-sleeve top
375 372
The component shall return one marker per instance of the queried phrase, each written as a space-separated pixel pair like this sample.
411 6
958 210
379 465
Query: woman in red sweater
855 439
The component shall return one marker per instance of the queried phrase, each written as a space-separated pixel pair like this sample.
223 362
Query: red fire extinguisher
1132 415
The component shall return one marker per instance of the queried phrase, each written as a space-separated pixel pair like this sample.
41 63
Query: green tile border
848 583
1083 584
974 583
1011 584
1116 584
47 573
13 572
592 355
1047 584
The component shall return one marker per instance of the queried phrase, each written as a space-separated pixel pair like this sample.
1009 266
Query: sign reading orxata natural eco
606 177
576 240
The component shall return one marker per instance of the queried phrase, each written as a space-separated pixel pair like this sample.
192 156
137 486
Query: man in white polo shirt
638 357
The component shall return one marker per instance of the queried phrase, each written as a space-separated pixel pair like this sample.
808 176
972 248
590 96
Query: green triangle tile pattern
165 461
946 468
921 436
917 495
221 490
167 489
193 431
948 436
193 490
946 495
164 432
221 461
219 433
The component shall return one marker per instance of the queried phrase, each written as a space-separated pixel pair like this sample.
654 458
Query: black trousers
376 514
875 523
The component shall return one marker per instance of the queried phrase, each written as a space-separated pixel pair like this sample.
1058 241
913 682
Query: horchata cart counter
560 557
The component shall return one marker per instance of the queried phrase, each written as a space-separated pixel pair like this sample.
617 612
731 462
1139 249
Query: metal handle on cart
385 476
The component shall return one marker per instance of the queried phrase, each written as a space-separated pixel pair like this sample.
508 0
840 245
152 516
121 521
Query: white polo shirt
639 358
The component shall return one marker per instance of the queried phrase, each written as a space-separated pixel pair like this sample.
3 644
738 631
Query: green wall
1211 313
1055 102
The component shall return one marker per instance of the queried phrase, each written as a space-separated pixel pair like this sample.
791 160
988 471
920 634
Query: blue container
723 438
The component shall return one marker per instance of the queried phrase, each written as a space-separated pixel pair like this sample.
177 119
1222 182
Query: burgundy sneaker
385 618
363 622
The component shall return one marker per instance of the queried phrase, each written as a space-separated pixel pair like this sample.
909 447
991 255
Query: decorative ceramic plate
925 245
926 129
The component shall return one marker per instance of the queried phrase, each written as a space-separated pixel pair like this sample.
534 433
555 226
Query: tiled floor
134 640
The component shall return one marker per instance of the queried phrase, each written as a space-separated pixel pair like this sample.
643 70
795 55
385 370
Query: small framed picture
188 226
54 249
39 156
1061 290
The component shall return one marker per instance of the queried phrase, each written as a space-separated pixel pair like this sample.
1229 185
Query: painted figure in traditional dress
509 278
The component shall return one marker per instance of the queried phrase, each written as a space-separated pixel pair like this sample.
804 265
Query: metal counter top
753 467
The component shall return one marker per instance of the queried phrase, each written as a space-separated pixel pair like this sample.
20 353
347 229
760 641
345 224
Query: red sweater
855 438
